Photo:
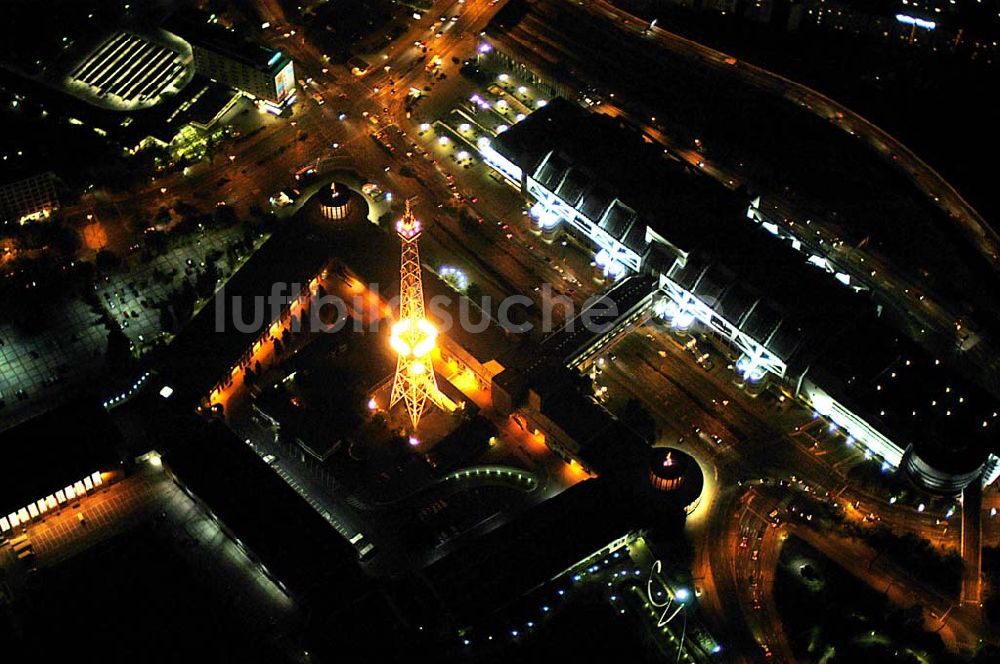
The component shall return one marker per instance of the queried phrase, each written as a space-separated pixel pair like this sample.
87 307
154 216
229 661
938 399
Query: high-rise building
224 56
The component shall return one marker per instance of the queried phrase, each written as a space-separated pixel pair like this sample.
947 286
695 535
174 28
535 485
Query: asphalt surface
755 439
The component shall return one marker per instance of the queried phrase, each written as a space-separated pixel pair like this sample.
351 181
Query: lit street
482 330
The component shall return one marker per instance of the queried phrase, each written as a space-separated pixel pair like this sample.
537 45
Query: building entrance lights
544 216
750 368
679 317
609 264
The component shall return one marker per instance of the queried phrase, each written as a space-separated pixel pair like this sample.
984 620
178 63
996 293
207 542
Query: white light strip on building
549 205
823 262
918 22
690 304
553 204
683 308
51 502
860 430
498 162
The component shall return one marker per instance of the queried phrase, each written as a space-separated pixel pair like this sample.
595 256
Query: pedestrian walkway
972 544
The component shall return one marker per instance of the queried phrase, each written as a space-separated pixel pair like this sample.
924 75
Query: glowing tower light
413 337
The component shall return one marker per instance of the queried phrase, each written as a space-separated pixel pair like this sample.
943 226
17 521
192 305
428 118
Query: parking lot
474 121
37 370
133 297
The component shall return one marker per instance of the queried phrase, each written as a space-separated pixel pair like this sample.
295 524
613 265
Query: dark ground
131 599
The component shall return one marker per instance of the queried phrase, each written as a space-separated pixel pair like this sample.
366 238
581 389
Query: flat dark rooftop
204 352
462 445
576 414
738 267
594 320
606 444
152 121
501 566
143 587
602 157
212 98
767 289
56 449
917 398
285 533
194 27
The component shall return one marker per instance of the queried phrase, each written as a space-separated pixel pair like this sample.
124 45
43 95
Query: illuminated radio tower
413 337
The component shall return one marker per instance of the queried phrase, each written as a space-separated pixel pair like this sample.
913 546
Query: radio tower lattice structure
413 336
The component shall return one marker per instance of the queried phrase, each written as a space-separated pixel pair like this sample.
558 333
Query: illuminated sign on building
918 22
284 82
